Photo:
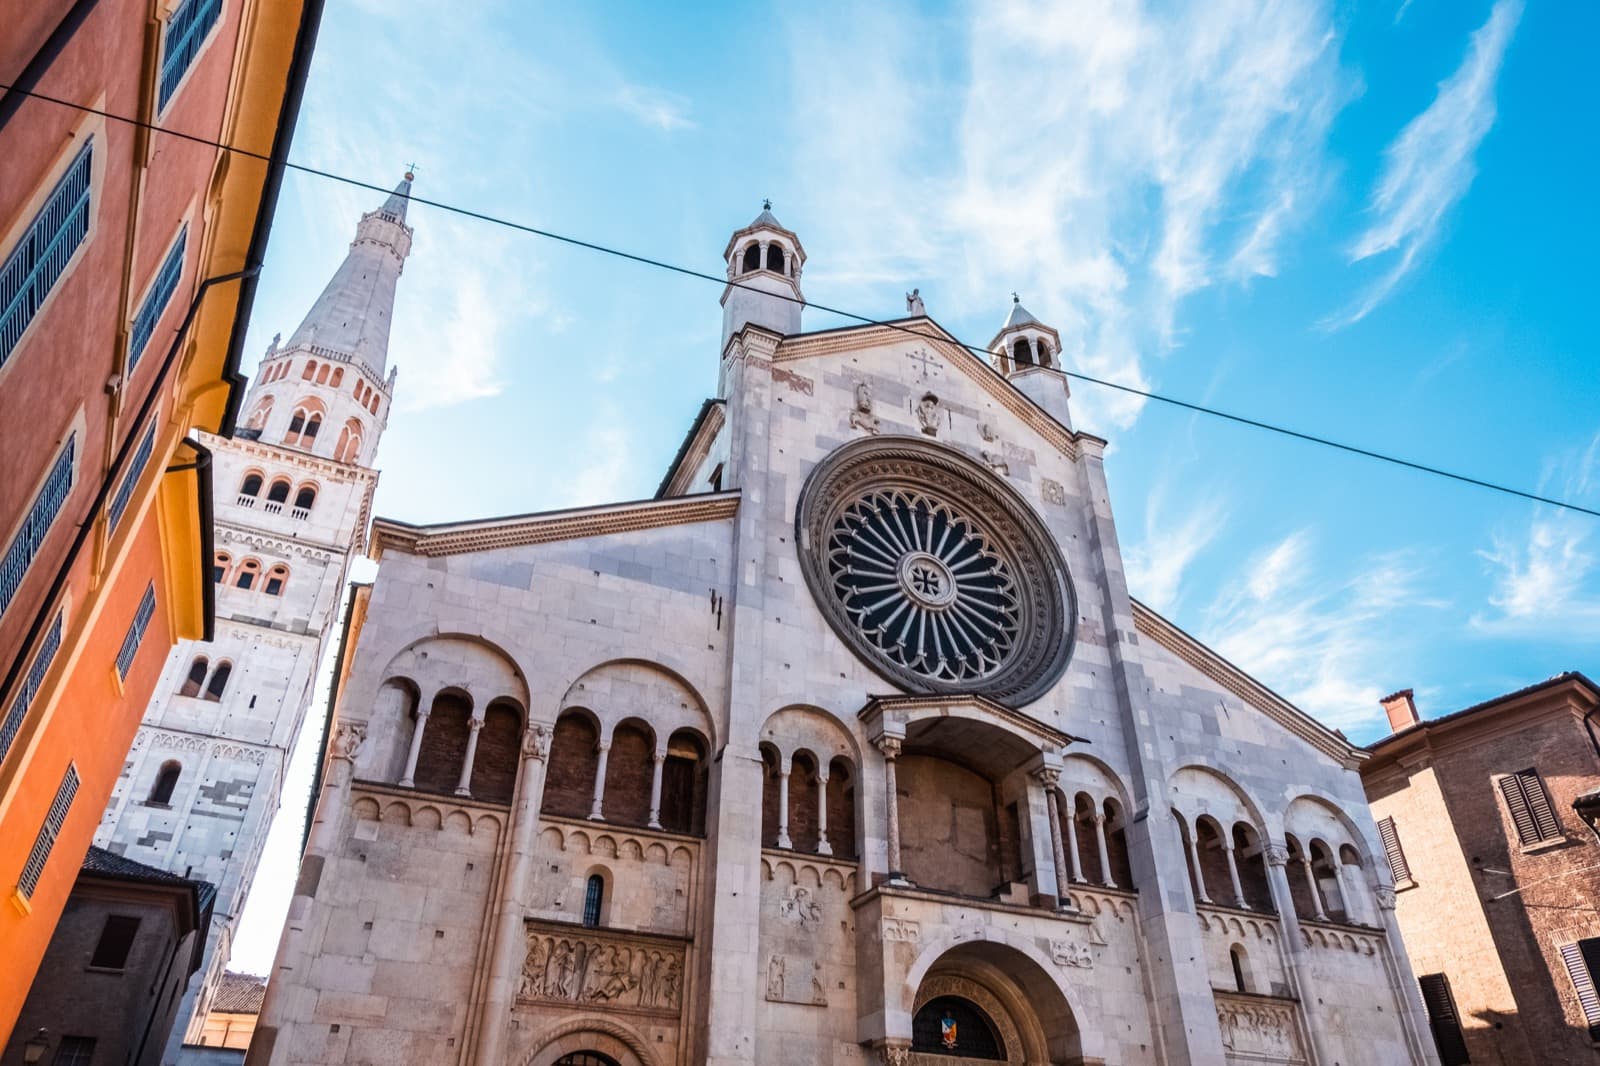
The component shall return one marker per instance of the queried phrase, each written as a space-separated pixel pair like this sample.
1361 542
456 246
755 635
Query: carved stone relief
1071 953
600 972
1260 1030
928 414
901 929
862 417
1053 491
797 907
795 981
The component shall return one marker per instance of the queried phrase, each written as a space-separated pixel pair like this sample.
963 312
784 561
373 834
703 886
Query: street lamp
35 1048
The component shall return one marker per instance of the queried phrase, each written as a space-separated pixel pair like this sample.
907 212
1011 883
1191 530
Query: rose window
927 587
934 571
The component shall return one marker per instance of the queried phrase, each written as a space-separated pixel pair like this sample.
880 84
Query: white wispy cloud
1546 580
1111 159
1429 167
665 111
1330 644
1157 563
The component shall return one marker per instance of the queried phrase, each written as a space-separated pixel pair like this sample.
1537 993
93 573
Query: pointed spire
352 314
395 205
1019 315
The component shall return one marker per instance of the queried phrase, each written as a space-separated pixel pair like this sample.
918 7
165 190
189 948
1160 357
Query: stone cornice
456 538
1244 686
1007 395
873 713
696 446
276 453
267 540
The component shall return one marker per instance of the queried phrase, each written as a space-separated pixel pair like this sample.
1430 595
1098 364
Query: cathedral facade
292 499
849 746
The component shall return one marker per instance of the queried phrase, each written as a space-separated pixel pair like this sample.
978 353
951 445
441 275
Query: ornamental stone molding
934 572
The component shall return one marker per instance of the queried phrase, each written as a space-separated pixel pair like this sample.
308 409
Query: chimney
1401 709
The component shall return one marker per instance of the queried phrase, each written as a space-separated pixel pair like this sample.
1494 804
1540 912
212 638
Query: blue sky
1369 222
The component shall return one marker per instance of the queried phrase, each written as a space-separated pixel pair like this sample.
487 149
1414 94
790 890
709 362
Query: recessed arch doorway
984 1002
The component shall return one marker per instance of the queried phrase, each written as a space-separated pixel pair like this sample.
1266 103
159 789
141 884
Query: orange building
127 267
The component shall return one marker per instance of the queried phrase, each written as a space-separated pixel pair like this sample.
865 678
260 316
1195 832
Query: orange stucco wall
68 373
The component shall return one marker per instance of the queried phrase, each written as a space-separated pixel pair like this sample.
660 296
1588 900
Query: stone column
1100 843
409 778
1074 864
1048 778
1276 857
655 789
597 809
1194 864
823 847
1311 883
510 940
783 810
1233 874
890 746
464 786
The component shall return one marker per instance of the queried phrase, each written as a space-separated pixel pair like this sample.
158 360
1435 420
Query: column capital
535 742
1275 855
347 740
659 757
604 745
1386 899
894 1054
822 779
474 724
890 747
1098 817
1048 776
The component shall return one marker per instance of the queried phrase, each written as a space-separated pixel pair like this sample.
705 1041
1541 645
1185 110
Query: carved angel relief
862 417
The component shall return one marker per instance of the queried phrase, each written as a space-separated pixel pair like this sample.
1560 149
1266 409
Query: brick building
127 260
850 745
1488 816
110 984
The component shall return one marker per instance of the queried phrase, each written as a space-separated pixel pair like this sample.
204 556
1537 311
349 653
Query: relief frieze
601 972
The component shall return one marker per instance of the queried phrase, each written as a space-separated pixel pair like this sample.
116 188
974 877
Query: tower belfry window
775 258
752 257
1022 353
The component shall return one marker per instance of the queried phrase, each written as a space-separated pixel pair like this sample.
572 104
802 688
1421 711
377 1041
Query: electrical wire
577 242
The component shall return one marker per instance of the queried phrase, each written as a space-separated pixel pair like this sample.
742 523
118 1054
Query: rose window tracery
934 571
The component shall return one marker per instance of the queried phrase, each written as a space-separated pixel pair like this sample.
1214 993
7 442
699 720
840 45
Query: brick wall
630 768
444 745
569 779
949 831
841 810
494 767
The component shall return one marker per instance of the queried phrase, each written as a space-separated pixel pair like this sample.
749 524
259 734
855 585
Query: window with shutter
1583 959
1443 1019
54 819
1399 869
1529 806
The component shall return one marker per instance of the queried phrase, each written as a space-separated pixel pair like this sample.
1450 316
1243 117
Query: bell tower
1028 353
764 264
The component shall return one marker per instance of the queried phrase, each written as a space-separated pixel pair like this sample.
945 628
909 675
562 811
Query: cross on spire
411 171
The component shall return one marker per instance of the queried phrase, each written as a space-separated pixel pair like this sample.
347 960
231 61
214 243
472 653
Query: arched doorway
987 1001
586 1058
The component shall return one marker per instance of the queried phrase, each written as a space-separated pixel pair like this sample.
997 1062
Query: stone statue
535 742
995 462
914 306
986 430
775 978
928 414
862 417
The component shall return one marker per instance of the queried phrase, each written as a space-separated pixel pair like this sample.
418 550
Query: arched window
166 783
950 1025
297 422
586 1058
359 391
196 678
219 566
570 769
1044 354
372 403
258 417
251 486
594 894
775 258
322 374
279 492
1021 354
249 570
349 447
338 377
310 370
305 498
752 257
219 681
1236 956
313 424
444 744
277 577
683 783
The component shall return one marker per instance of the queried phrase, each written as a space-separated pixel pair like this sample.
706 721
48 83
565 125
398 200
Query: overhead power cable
643 260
